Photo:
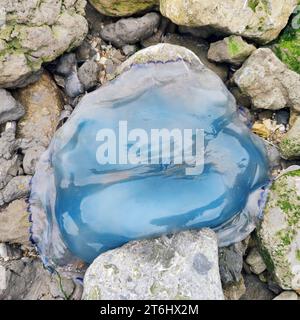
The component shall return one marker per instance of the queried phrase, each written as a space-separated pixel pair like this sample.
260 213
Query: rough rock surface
73 86
268 82
14 223
43 103
290 143
9 159
233 50
279 233
66 64
122 7
130 30
255 261
259 20
256 289
10 109
31 157
35 32
183 266
235 291
18 187
287 295
231 262
26 279
88 74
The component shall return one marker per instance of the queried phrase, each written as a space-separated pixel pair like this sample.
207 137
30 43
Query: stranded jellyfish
159 149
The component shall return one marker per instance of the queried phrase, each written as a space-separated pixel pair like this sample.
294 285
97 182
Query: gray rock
25 80
36 32
182 266
287 295
26 279
290 143
10 161
8 143
85 51
131 30
31 158
273 286
129 50
66 64
9 169
233 50
282 117
10 252
14 223
231 262
10 109
256 262
88 74
279 232
241 98
73 86
258 20
268 82
235 291
256 290
18 187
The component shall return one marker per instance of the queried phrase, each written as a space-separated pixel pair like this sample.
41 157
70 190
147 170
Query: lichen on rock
268 82
233 50
279 233
121 8
290 143
287 47
259 20
181 267
35 32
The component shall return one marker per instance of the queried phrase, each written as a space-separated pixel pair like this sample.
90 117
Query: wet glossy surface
98 207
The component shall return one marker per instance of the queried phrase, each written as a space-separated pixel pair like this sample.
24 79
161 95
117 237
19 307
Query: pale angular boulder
259 20
182 266
33 32
122 8
233 50
268 82
279 232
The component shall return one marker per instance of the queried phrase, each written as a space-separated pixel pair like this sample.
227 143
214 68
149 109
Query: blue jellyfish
157 150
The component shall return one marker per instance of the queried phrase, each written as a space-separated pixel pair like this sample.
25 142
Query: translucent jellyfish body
83 205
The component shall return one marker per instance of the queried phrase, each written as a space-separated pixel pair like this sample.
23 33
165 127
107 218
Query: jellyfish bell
82 204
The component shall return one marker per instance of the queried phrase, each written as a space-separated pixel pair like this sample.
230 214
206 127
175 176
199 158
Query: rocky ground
54 52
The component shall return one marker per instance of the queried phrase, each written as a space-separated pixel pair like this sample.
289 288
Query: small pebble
256 262
73 86
66 64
